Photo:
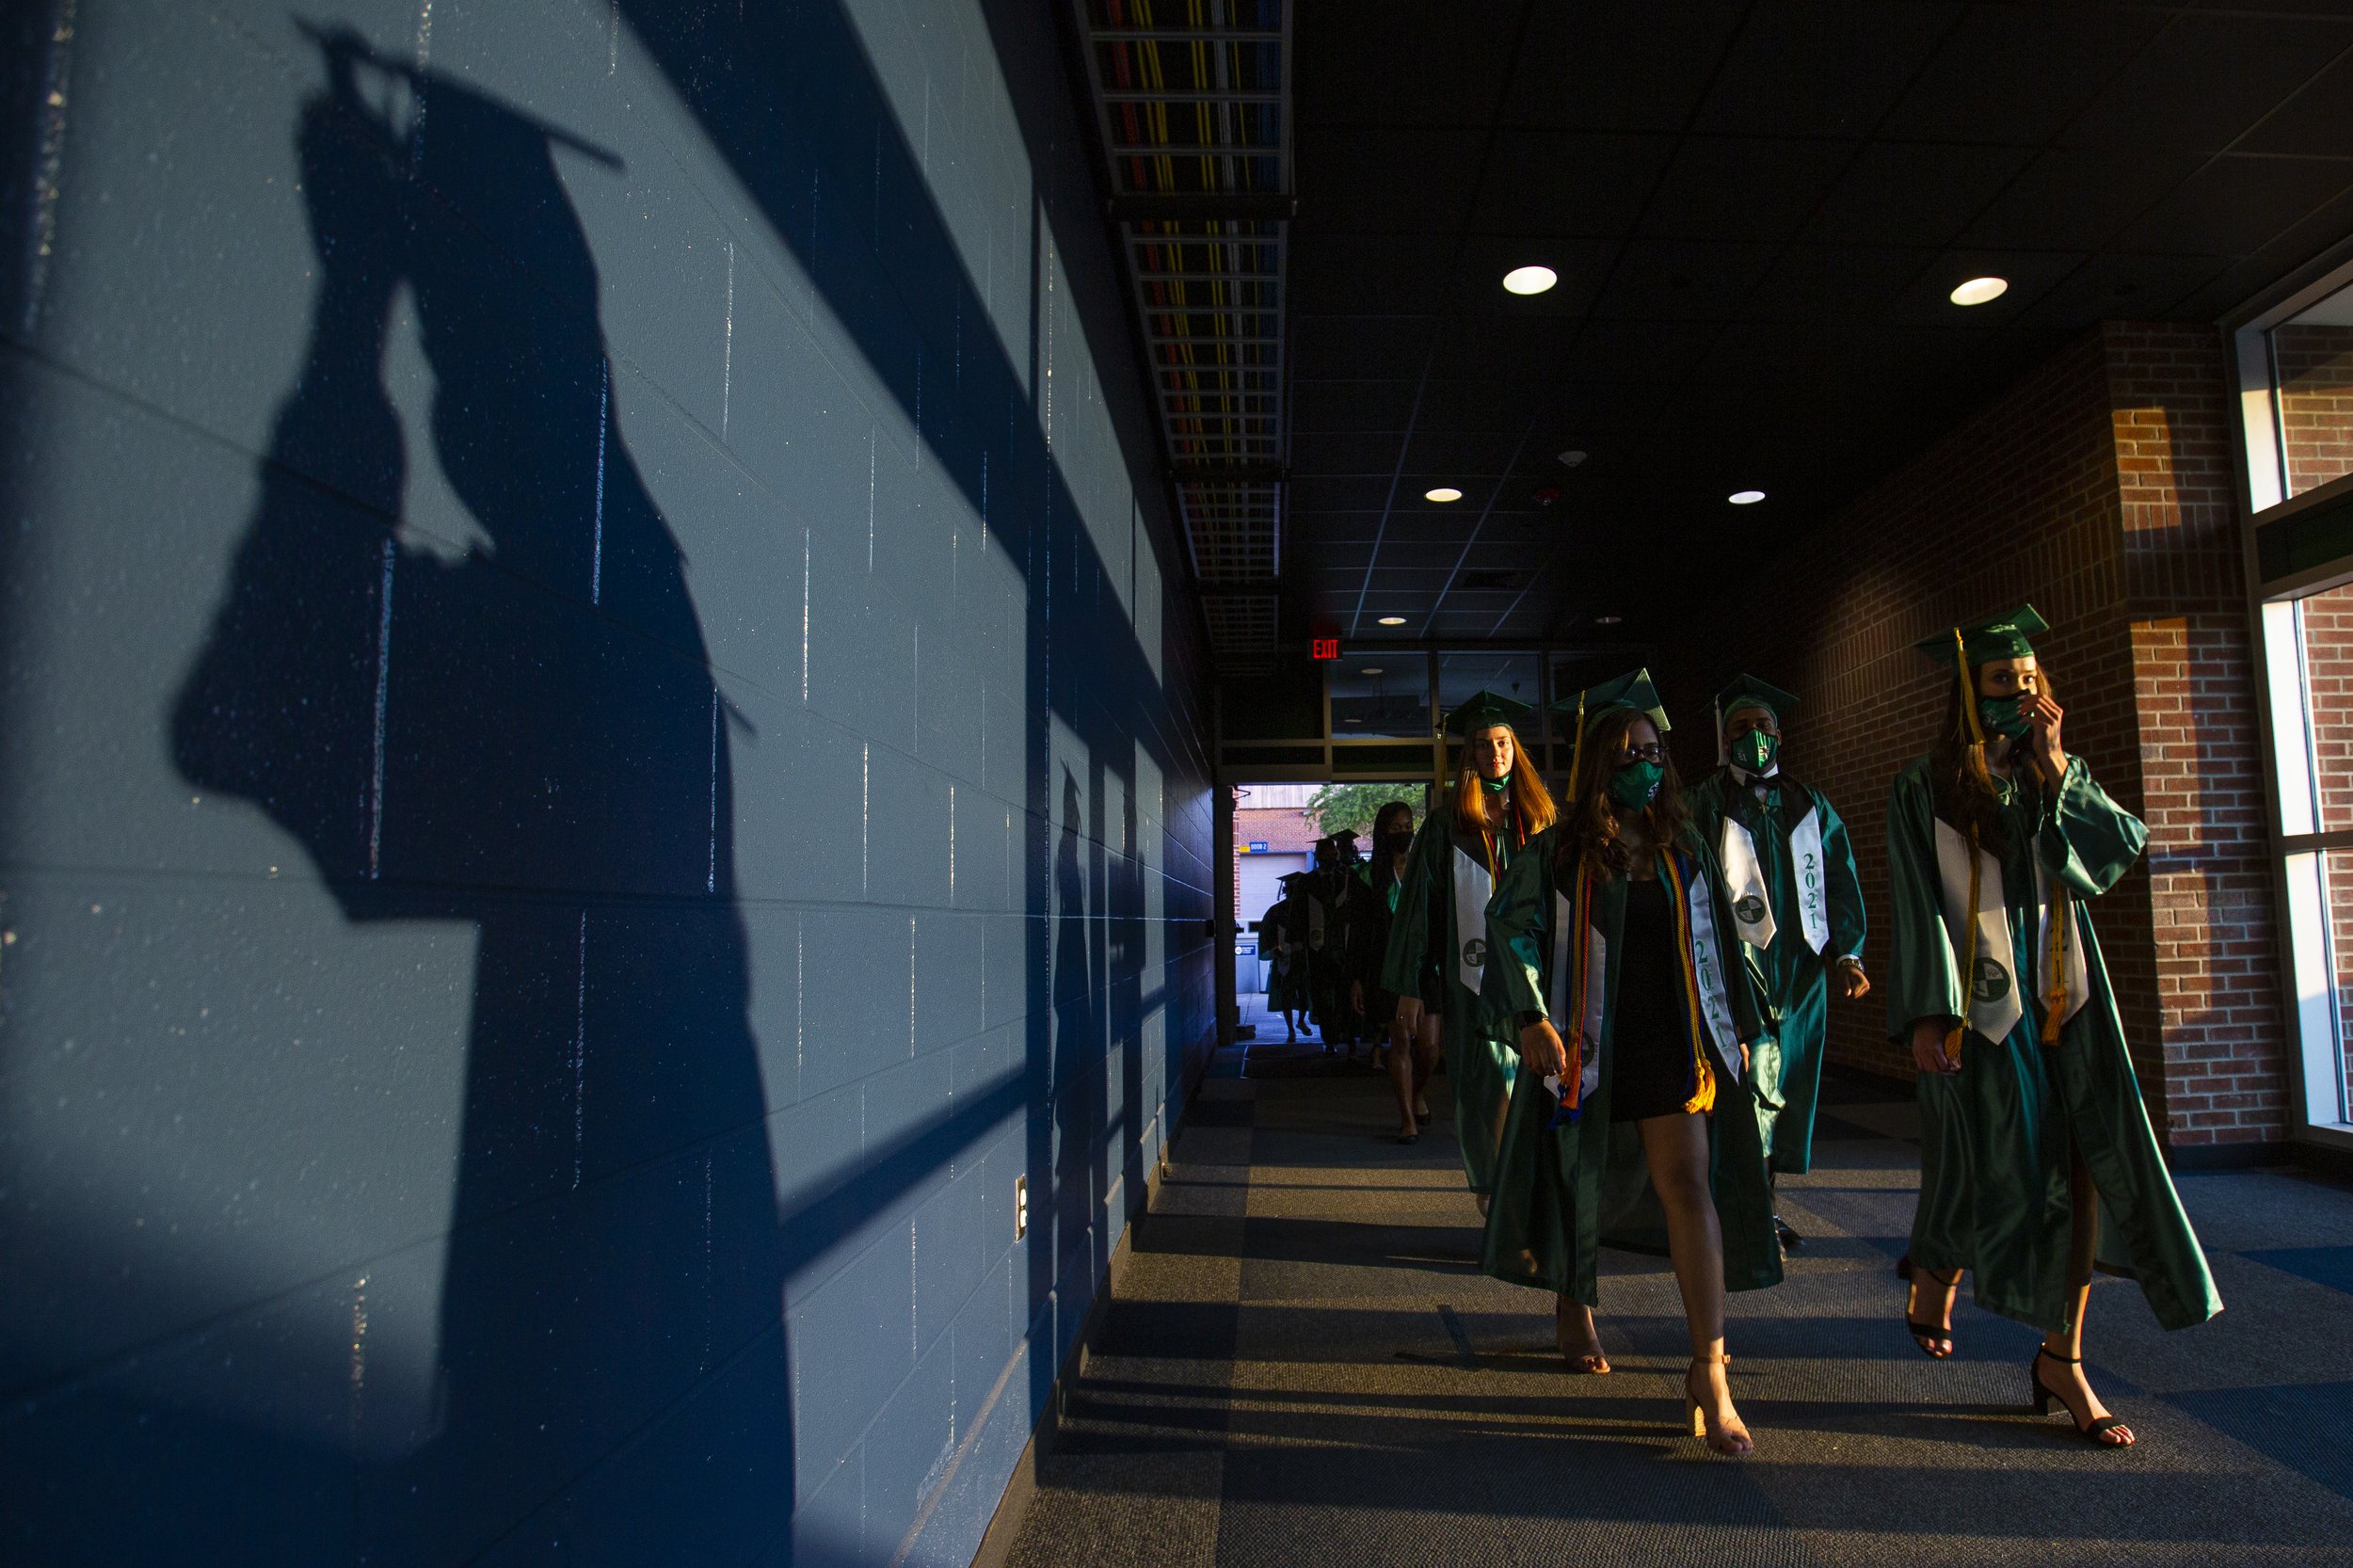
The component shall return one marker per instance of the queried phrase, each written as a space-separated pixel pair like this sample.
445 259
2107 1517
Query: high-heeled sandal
1733 1432
2096 1432
1590 1364
1922 1332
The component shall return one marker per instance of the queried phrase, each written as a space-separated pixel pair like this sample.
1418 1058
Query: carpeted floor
1302 1366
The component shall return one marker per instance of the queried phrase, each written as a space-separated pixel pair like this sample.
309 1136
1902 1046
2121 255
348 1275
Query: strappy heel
1733 1437
2095 1432
1922 1332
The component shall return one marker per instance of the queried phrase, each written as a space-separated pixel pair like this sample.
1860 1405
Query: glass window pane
1462 676
1378 692
2327 621
2328 1068
2303 438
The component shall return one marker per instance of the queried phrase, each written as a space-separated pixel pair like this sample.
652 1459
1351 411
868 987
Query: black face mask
1396 843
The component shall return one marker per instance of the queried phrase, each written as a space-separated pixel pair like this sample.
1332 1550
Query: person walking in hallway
1608 947
1412 1052
2031 1118
1797 906
1437 947
1284 932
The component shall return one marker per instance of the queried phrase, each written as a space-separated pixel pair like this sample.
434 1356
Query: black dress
1650 1041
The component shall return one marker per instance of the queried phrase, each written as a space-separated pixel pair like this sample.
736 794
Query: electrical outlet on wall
1021 1206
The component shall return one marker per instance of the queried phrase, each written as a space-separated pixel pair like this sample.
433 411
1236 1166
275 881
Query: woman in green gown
1438 940
1606 952
1796 904
2031 1119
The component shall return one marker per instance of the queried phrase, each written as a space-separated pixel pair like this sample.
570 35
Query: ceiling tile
1822 67
1567 181
1744 187
2019 74
2236 205
1617 66
1682 280
2077 198
1914 193
2205 80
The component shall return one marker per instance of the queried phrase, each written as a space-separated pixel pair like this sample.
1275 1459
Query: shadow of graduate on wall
519 733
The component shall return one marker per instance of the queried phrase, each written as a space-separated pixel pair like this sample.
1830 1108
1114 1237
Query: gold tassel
2054 998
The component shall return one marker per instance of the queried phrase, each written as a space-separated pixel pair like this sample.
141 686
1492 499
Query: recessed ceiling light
1392 621
1530 279
1745 498
1370 669
1978 290
1444 492
1608 621
1571 457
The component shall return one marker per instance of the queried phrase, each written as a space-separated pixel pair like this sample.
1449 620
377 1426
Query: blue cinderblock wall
600 747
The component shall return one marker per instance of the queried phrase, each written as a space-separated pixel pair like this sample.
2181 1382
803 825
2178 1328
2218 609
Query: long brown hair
1529 797
1963 787
1591 827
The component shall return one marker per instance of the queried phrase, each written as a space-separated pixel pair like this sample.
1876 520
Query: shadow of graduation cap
1747 690
1633 691
1483 710
1973 642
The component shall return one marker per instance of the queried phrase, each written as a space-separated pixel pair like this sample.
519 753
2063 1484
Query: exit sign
1323 648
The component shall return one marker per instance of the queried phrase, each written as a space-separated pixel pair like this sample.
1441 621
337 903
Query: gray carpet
1302 1366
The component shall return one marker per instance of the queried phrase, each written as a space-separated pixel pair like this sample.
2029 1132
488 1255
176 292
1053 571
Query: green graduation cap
1747 690
2002 637
1632 690
1978 643
1483 710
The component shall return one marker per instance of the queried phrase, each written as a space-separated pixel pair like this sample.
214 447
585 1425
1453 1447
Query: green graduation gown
1287 974
1994 1150
1559 1189
1813 901
1428 932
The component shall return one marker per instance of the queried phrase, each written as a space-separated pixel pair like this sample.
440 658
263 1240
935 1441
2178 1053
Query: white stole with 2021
1752 902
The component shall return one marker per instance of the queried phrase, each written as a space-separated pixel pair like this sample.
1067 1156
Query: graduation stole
1580 973
1991 994
1473 884
1744 876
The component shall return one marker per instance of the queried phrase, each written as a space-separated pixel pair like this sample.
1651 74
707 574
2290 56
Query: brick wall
2315 368
2096 488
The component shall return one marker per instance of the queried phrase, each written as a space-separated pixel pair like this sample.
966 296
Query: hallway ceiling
1756 212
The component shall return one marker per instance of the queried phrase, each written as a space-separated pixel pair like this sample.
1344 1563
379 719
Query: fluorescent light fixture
1370 669
1745 498
1530 279
1608 621
1392 621
1978 290
1444 492
1352 720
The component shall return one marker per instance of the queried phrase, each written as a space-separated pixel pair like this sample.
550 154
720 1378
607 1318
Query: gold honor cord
2055 1000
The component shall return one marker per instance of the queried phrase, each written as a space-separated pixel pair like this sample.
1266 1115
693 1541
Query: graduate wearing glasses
1610 950
2032 1126
1796 903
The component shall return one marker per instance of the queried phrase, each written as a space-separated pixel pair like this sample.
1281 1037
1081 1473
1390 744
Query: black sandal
2095 1433
1929 1331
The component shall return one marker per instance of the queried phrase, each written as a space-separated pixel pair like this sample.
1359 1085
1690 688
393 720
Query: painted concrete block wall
600 746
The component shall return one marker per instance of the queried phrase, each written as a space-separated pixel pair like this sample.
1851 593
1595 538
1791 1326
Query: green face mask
2001 715
1636 785
1754 751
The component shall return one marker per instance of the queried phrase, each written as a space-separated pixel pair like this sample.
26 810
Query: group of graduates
1630 989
